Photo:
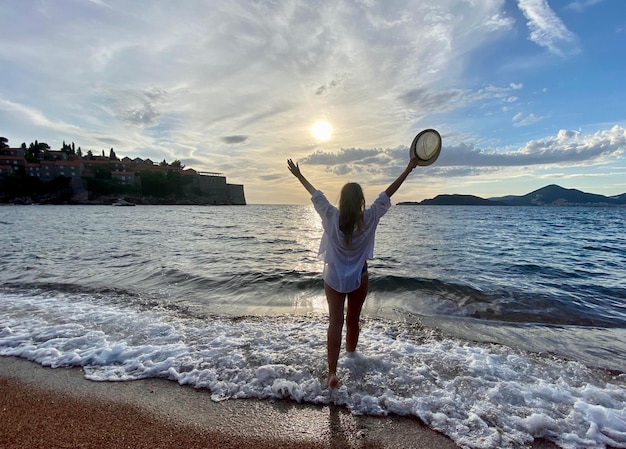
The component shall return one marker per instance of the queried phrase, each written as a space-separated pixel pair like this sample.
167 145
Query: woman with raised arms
346 245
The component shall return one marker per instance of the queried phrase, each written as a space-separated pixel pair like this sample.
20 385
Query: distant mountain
551 195
554 195
460 200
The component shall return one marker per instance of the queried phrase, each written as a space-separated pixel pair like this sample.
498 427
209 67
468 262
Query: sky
525 93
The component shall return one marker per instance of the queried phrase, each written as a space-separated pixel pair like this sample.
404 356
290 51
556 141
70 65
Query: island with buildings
38 174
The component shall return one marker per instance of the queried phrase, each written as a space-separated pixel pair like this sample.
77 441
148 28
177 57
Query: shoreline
44 408
57 407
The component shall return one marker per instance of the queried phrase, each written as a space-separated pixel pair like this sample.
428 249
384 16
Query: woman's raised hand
293 168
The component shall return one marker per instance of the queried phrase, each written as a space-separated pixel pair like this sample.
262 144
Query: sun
321 130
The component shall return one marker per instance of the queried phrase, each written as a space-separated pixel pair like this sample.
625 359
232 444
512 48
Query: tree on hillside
112 155
163 163
47 156
35 150
153 184
4 142
177 164
67 149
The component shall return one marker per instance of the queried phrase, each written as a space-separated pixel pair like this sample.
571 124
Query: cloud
565 134
580 6
437 101
546 28
138 107
234 139
34 117
344 156
430 99
520 120
566 148
326 88
373 163
272 177
99 3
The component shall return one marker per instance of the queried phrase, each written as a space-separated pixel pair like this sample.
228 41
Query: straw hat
426 147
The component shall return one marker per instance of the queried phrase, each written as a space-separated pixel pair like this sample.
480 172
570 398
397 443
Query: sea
492 325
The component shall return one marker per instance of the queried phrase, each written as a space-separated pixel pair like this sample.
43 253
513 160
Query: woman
347 243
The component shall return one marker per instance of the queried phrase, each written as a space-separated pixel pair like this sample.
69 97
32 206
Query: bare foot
332 380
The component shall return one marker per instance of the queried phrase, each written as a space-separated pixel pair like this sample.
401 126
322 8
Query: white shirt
342 265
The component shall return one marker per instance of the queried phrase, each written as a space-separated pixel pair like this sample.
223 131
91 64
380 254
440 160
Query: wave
481 395
409 295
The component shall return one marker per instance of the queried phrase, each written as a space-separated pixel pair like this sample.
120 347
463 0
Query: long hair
351 207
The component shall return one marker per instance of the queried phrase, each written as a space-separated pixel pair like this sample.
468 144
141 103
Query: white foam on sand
480 395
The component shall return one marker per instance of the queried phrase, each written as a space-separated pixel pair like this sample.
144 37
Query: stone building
52 164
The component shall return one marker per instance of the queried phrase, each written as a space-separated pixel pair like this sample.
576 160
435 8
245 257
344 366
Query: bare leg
335 327
355 304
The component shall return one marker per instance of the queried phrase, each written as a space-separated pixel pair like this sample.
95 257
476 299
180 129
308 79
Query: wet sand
58 408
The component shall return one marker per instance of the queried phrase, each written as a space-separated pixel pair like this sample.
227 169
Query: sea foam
481 395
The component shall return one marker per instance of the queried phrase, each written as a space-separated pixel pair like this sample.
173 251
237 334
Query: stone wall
236 195
217 191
